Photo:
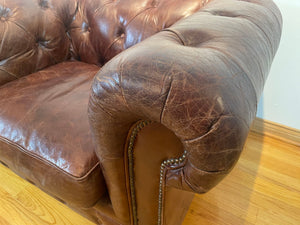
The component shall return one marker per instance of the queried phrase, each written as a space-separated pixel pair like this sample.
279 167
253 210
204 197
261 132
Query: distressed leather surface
153 144
104 28
45 135
36 34
201 78
33 35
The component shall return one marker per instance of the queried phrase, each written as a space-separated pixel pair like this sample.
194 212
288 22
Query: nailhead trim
133 135
167 163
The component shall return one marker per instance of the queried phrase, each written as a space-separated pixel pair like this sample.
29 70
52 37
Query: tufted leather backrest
35 34
104 28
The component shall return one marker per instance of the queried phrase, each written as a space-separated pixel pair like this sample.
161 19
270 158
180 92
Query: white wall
280 102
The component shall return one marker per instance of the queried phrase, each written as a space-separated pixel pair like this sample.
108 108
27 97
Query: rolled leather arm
201 78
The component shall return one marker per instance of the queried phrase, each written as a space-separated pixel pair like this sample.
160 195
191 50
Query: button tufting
120 32
44 4
4 13
85 27
42 43
154 3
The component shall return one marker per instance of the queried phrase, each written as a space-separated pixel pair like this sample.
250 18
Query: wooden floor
263 189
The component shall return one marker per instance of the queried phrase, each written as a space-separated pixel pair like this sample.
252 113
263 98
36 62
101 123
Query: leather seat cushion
45 135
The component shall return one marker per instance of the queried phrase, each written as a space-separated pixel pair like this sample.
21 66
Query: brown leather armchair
126 134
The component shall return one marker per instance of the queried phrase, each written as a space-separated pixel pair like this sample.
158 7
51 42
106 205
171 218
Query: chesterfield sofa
123 109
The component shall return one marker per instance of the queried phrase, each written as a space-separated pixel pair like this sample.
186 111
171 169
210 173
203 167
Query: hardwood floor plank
25 204
262 189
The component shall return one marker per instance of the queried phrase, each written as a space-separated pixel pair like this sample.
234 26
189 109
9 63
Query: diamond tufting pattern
92 31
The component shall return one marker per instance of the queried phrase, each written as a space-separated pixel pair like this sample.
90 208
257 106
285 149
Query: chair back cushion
35 34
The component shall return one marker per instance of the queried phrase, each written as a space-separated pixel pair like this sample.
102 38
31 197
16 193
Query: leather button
120 32
85 27
44 4
154 3
4 13
42 43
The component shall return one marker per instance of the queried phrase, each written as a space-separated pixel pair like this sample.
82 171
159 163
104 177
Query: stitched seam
13 75
23 150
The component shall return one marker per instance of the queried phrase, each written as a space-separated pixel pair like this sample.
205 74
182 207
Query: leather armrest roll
201 78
